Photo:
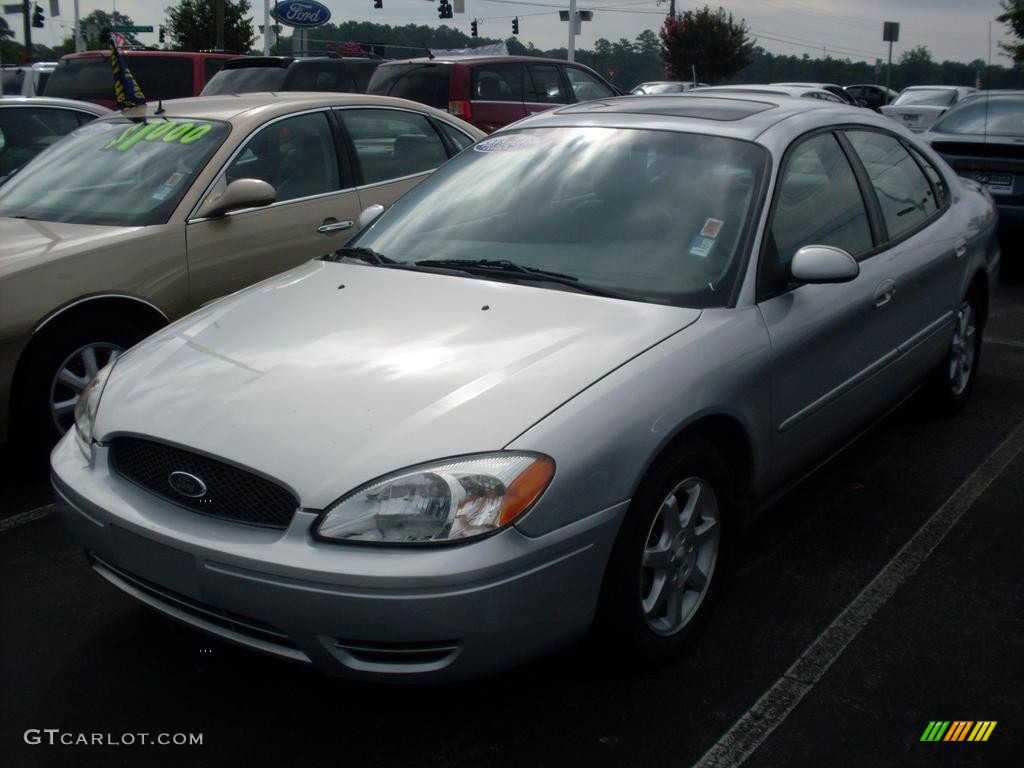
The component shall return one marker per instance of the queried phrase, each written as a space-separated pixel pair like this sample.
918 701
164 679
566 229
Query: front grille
231 493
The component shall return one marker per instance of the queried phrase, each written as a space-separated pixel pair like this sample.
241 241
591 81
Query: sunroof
675 106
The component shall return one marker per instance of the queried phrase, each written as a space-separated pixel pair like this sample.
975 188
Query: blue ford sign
302 13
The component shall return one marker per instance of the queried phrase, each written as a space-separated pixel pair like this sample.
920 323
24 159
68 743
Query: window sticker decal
508 143
168 131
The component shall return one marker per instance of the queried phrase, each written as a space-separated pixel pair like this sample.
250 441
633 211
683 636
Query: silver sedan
542 394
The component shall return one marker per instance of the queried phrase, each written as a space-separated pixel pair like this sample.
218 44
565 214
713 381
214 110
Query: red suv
160 74
490 91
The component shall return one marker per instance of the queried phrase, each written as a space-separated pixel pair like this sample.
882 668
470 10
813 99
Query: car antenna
159 107
429 54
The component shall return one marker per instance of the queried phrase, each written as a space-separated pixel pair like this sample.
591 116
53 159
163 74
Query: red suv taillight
461 109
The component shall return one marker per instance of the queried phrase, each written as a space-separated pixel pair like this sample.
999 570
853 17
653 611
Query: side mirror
240 193
823 264
368 216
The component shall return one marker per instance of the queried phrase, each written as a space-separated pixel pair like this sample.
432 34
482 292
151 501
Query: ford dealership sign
302 13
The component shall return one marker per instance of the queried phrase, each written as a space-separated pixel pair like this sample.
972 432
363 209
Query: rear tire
667 566
953 379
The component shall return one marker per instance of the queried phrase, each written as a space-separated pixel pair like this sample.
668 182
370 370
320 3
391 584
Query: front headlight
448 501
86 407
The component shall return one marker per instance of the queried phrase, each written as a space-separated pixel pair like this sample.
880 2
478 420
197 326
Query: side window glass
938 183
295 156
903 190
585 86
457 137
817 202
544 85
498 82
391 144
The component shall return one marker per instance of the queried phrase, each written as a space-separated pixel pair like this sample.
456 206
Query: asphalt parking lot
883 593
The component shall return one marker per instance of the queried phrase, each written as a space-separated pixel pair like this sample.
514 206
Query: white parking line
771 710
1005 342
27 517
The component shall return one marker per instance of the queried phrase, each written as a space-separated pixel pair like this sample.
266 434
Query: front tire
668 562
55 373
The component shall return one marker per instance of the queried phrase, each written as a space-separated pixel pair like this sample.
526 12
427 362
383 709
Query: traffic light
515 26
163 34
444 10
37 17
378 3
472 28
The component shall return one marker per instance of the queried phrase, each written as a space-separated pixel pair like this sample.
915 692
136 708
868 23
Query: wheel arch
118 305
979 286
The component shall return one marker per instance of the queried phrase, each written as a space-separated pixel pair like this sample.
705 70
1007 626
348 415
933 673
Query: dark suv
490 91
251 74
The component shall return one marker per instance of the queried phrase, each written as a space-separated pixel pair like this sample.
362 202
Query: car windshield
658 216
1003 116
926 97
116 172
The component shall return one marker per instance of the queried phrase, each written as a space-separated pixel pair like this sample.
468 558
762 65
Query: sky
957 30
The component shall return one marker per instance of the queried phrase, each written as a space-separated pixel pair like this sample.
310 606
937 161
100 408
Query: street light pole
79 42
266 27
572 29
219 45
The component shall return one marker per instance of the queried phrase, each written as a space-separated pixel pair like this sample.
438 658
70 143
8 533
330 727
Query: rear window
90 79
245 80
985 115
13 78
319 76
425 83
926 97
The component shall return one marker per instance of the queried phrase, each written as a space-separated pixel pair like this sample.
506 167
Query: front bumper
425 614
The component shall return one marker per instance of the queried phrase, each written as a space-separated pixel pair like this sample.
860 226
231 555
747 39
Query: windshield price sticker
509 143
167 131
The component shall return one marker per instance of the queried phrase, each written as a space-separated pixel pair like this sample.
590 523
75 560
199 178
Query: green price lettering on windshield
166 130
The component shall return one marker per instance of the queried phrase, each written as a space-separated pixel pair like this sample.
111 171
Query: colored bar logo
958 730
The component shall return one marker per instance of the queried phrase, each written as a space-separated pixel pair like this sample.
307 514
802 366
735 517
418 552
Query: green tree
917 67
711 42
93 25
192 25
1013 17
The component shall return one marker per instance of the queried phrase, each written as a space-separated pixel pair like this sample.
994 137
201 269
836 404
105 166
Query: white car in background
919 106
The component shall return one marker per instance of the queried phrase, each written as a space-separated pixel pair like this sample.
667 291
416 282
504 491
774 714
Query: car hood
330 375
26 243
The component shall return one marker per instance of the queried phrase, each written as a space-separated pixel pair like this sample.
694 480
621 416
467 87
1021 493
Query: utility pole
572 28
79 42
266 27
27 17
219 45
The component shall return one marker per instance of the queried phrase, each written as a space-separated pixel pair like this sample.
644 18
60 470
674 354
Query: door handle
961 247
885 292
334 226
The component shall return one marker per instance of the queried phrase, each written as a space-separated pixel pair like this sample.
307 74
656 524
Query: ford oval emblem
187 485
302 13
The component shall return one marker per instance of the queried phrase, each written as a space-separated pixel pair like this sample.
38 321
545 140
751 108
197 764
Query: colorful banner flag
126 90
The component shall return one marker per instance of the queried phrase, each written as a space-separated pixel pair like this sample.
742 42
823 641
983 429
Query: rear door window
498 82
391 144
425 83
544 85
904 192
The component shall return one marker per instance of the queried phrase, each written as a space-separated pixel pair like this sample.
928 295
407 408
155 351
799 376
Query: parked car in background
250 74
665 86
160 74
919 106
873 96
982 138
27 79
137 218
30 125
490 91
797 91
542 393
836 90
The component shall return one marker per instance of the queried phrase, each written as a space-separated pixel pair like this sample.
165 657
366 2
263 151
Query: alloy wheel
963 349
74 374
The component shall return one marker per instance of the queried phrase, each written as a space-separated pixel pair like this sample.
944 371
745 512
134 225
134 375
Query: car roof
51 101
740 116
779 89
257 107
105 53
474 59
241 62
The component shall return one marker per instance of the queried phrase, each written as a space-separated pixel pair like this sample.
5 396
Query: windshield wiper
505 268
500 265
365 255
